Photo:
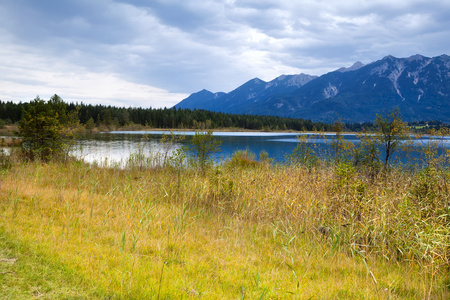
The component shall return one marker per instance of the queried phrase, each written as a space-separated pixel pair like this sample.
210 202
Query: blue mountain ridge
419 86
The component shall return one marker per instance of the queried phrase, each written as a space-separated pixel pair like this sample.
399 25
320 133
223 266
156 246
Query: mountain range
419 86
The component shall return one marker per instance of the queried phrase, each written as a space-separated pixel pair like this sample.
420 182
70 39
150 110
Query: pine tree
41 131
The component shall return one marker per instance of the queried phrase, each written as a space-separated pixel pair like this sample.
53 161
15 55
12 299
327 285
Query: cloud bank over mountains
155 53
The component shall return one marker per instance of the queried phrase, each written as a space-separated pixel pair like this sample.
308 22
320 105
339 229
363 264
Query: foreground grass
255 233
27 273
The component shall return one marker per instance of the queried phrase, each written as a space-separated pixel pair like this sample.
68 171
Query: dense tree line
170 118
173 118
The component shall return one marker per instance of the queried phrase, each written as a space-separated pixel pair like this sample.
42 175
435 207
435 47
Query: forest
111 117
107 117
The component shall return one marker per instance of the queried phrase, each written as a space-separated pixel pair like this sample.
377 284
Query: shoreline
10 130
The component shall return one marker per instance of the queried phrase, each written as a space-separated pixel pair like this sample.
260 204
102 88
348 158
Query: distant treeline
173 118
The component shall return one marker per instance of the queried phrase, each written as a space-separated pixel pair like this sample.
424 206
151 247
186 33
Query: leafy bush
366 156
264 157
243 158
304 154
203 146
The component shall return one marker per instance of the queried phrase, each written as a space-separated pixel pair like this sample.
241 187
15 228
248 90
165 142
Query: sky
154 53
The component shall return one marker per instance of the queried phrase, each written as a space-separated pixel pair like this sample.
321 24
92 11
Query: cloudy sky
154 53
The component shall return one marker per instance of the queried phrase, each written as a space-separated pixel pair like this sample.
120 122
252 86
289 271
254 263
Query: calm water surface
115 147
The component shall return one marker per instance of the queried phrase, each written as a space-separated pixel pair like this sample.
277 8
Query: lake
115 147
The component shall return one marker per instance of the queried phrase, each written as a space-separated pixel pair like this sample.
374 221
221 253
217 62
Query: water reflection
116 147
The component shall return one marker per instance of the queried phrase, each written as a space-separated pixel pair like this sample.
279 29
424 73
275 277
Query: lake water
116 147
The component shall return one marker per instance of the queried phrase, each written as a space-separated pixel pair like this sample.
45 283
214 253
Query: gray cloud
176 47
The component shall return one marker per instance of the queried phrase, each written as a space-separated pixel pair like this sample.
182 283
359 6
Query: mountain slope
202 100
244 97
418 85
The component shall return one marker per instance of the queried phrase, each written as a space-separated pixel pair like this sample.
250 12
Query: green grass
27 273
232 232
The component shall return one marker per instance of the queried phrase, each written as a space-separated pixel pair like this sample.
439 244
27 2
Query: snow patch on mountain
218 95
395 74
421 94
421 82
330 91
414 76
251 96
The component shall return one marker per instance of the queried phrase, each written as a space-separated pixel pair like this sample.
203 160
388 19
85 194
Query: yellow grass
252 233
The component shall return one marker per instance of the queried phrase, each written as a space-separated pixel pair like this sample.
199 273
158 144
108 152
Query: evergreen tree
41 131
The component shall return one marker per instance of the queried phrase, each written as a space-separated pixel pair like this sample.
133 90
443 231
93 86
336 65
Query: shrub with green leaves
304 154
41 129
366 155
203 145
340 148
243 158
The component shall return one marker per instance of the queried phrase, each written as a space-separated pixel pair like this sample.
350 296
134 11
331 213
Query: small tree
60 108
168 142
340 147
304 154
366 155
203 145
391 132
42 134
90 124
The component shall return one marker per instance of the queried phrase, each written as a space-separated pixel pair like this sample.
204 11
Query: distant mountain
419 86
357 65
202 100
243 98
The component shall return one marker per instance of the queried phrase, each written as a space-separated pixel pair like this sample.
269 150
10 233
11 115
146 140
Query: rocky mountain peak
357 65
419 86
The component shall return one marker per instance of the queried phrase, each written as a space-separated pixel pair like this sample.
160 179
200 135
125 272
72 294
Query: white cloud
27 75
105 47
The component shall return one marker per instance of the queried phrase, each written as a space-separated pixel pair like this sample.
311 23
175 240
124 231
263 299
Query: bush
243 158
43 135
203 146
304 154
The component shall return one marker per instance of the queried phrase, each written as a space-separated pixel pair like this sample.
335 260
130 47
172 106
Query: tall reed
239 229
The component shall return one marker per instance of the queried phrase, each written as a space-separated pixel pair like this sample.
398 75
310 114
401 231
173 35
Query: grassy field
236 231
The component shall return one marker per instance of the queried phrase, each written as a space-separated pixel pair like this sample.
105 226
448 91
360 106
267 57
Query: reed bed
246 230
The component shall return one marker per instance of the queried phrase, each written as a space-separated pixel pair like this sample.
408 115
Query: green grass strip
25 273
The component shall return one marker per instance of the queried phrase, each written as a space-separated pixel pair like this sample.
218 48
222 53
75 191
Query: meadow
239 230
